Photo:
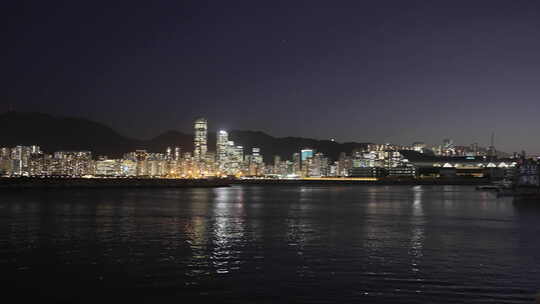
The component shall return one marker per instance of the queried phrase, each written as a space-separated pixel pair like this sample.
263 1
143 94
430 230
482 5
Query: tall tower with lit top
200 139
221 148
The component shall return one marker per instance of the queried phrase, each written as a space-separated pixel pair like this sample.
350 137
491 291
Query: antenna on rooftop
492 151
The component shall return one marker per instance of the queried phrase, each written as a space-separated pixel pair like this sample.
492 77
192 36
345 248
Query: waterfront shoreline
319 182
100 183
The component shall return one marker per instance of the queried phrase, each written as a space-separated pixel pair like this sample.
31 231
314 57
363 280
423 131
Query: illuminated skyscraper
238 155
169 153
200 139
492 152
235 158
296 163
448 143
141 157
177 153
221 149
255 162
448 147
306 153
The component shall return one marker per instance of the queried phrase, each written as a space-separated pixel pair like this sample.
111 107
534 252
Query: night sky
378 71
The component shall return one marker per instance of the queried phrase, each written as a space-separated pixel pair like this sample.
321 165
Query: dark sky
379 71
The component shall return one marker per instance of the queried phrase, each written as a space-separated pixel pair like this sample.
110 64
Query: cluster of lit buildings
231 159
31 161
228 160
448 148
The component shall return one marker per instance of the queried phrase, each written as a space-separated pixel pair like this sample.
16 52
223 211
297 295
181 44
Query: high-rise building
277 164
21 158
177 153
141 157
492 152
221 149
73 163
317 166
200 139
108 167
255 162
236 158
239 154
128 167
448 147
296 163
475 149
306 153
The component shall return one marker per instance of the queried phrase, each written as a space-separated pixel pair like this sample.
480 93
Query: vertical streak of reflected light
417 222
228 230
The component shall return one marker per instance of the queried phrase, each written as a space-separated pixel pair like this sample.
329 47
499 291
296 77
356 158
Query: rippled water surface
247 244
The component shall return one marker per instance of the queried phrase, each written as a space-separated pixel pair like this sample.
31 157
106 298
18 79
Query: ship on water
526 183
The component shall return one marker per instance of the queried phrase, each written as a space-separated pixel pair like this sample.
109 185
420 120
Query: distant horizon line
69 116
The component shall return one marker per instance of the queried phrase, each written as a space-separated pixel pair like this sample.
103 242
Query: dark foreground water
271 244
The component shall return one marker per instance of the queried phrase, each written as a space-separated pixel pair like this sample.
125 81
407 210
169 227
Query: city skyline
276 151
390 71
230 159
200 130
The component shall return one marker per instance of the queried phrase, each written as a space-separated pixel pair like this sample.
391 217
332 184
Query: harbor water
270 244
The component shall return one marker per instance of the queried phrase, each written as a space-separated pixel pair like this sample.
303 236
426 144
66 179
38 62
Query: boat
488 187
496 185
529 193
526 185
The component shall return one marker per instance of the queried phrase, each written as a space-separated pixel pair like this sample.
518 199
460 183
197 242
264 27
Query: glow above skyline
393 71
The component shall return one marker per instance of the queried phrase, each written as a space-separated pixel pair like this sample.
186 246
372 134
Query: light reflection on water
444 244
417 223
228 230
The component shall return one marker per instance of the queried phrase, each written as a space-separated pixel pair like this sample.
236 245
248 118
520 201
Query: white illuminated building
221 149
200 139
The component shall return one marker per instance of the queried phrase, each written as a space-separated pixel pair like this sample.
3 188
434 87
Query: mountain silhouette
56 133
